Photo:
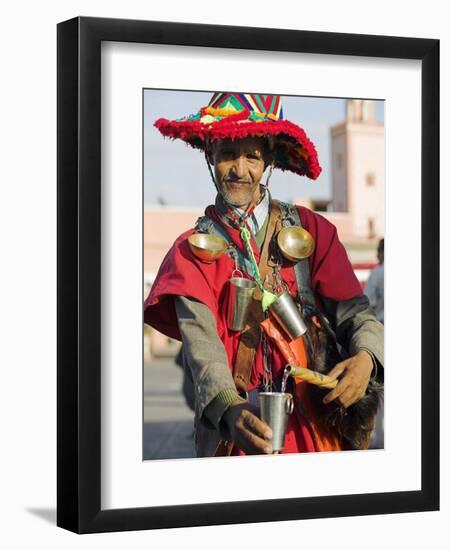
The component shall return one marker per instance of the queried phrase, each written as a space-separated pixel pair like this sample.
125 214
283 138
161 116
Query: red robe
182 274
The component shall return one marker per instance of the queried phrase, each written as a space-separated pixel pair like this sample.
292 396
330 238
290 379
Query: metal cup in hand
274 409
240 295
286 312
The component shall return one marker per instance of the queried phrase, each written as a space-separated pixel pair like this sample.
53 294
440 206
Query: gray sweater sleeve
207 360
357 327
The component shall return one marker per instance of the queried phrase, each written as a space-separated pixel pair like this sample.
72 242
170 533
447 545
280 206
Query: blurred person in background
374 289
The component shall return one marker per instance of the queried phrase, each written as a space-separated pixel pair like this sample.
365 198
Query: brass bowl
207 248
295 243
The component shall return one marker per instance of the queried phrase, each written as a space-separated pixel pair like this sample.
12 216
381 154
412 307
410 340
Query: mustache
232 179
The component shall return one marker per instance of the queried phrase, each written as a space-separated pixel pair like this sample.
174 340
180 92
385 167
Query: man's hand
355 378
247 431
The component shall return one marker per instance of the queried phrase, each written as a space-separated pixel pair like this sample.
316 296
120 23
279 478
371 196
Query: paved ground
168 421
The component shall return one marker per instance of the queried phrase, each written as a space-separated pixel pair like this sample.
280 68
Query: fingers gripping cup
240 295
275 408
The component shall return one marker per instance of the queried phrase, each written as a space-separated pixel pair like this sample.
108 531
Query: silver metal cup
274 409
240 294
286 312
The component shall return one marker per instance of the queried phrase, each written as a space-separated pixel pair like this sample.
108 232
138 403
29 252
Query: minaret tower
357 168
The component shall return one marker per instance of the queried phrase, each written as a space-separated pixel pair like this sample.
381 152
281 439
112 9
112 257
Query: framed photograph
124 197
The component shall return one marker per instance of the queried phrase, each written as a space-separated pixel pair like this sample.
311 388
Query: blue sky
178 175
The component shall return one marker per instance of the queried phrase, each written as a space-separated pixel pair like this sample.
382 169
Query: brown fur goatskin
354 425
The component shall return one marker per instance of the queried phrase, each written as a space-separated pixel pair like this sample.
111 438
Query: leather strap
251 334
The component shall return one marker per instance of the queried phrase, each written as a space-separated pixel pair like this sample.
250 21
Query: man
374 289
242 135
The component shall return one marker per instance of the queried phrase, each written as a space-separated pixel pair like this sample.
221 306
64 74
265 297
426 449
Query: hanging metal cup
286 312
274 409
240 295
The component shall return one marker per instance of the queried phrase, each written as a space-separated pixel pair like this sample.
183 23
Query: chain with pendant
277 286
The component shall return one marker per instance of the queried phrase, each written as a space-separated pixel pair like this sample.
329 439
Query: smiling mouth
237 182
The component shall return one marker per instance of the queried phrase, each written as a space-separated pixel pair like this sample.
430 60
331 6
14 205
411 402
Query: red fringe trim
229 127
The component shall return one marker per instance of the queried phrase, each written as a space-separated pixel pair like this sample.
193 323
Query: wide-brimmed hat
236 116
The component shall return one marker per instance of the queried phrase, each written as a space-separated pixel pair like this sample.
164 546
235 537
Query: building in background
162 225
356 205
357 169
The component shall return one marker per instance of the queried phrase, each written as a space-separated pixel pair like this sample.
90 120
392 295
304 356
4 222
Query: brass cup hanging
207 248
295 243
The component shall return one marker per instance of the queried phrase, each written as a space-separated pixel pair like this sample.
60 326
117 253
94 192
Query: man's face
238 167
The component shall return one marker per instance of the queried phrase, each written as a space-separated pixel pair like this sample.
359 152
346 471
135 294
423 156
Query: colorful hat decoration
236 116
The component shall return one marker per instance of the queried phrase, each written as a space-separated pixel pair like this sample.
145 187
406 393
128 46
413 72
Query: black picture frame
79 276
